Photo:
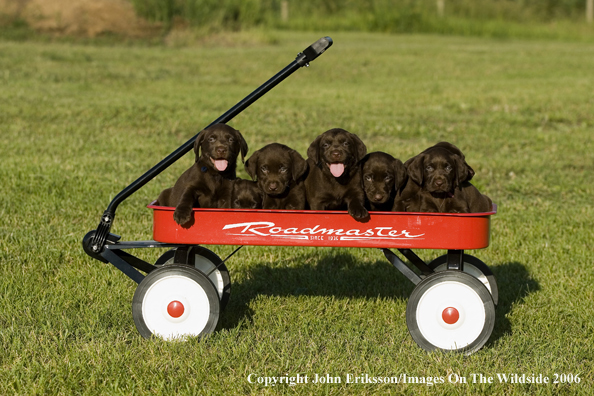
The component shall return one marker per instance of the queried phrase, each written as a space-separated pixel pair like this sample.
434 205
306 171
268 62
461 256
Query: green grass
78 123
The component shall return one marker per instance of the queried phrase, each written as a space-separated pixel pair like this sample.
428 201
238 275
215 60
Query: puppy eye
211 139
325 145
388 178
283 169
368 177
448 168
346 143
231 140
264 169
429 168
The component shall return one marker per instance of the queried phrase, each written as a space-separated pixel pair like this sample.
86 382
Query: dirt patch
88 18
11 8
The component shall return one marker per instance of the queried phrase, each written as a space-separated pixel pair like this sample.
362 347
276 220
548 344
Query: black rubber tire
170 283
221 273
478 265
456 289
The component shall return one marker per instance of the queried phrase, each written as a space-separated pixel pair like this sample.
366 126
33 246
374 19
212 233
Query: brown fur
203 185
439 182
382 176
326 191
279 172
245 195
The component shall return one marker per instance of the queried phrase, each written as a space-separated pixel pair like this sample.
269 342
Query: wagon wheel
174 302
209 264
474 267
451 311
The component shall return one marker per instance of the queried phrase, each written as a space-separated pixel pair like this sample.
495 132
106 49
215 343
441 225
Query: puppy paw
182 216
358 212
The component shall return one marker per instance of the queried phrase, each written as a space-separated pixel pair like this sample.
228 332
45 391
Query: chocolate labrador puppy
383 175
206 184
279 172
439 182
334 178
245 194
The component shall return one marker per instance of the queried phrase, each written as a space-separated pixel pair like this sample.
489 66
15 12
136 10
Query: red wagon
451 308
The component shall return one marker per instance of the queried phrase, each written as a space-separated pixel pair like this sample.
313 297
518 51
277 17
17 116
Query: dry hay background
88 18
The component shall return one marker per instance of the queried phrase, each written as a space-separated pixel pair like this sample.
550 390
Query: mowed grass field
78 123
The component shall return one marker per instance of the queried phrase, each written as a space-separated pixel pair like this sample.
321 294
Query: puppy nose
378 197
221 150
336 154
438 182
273 186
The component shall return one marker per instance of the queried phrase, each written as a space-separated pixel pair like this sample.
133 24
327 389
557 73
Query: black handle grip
317 49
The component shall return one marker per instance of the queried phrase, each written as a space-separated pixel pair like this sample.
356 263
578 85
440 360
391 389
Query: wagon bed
461 231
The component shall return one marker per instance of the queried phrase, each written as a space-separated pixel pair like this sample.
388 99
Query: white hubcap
450 315
175 306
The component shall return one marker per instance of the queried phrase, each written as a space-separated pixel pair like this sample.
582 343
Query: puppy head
455 150
382 176
337 151
274 167
246 195
437 170
220 145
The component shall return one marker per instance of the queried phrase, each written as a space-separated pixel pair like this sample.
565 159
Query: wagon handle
303 59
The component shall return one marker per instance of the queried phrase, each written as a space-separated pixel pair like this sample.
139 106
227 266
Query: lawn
80 122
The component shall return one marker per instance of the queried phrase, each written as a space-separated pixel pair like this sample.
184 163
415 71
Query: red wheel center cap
175 309
450 315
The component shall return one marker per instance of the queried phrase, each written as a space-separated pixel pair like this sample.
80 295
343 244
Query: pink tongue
221 165
337 169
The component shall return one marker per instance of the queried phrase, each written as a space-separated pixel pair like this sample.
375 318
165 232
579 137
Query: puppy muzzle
439 184
378 198
275 188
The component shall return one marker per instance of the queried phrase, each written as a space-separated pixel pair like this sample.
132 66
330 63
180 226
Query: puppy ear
251 165
260 194
400 172
363 160
299 165
361 165
243 146
461 171
361 148
313 152
198 143
414 168
468 169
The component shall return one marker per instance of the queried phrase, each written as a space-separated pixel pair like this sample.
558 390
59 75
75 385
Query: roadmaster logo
317 233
